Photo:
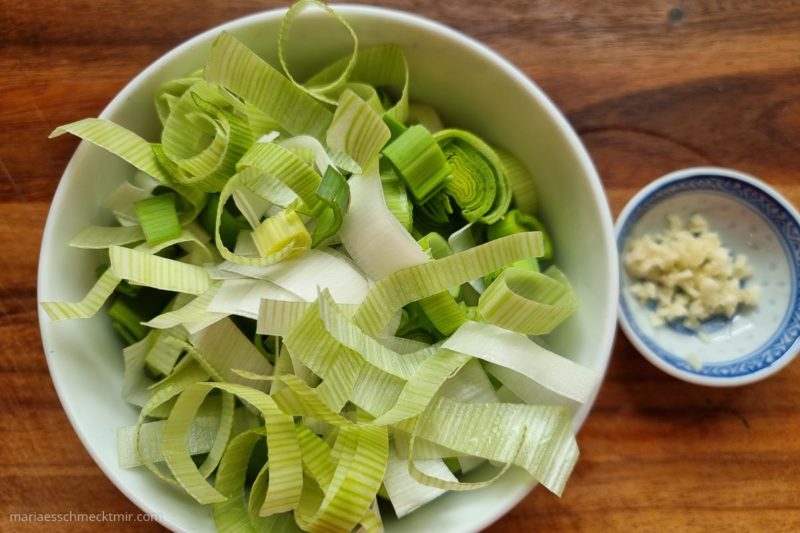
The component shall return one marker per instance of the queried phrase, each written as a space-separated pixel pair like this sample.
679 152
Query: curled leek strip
478 183
515 221
527 301
318 92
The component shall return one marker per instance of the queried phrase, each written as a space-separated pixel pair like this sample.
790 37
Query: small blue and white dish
751 218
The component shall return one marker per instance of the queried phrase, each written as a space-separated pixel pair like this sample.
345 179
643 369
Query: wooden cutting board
650 86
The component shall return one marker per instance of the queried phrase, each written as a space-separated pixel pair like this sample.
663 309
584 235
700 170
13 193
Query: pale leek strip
286 475
362 453
321 158
282 164
396 198
234 66
425 115
318 92
368 93
200 440
441 308
89 305
279 231
523 188
423 385
98 237
194 310
121 201
244 178
158 272
548 450
317 461
135 382
313 271
158 218
357 130
376 391
517 352
470 385
242 297
334 193
478 183
373 237
434 481
378 66
280 317
251 205
528 302
222 348
419 162
417 282
298 399
168 94
407 494
119 141
192 239
528 391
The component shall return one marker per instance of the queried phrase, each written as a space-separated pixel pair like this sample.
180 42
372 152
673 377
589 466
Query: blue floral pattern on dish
787 335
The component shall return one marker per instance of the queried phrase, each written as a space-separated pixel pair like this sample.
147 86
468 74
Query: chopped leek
348 317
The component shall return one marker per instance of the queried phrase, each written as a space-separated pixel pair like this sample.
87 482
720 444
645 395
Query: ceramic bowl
752 219
474 88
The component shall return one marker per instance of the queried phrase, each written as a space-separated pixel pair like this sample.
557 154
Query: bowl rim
633 335
605 343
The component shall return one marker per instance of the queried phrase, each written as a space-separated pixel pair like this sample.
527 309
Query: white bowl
752 219
474 88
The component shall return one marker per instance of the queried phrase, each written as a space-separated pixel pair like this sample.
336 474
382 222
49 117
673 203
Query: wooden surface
651 86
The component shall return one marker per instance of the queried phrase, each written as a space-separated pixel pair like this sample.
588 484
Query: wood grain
651 86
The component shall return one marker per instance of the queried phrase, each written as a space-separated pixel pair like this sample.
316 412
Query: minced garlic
688 273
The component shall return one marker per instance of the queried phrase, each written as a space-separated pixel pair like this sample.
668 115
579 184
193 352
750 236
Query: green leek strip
168 94
515 221
378 66
280 231
396 199
280 317
548 450
249 177
372 236
163 393
201 114
357 130
158 218
366 93
528 302
317 92
125 320
158 272
362 453
417 282
419 162
285 468
192 239
520 354
407 494
194 310
442 310
283 165
334 193
89 305
523 189
478 184
98 237
221 348
317 461
168 347
240 70
194 196
424 115
231 514
119 141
